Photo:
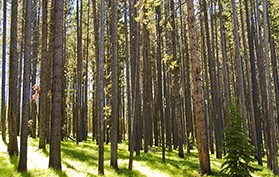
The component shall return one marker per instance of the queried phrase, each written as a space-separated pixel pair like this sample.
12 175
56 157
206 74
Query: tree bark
43 79
198 94
255 92
159 68
114 98
13 75
22 167
271 118
57 80
3 88
100 88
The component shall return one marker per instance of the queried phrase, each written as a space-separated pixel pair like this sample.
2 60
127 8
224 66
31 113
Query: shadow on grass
25 174
188 166
60 173
80 155
129 173
14 159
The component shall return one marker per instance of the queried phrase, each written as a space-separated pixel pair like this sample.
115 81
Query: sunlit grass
82 160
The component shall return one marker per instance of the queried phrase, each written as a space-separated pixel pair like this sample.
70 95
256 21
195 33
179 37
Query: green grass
82 161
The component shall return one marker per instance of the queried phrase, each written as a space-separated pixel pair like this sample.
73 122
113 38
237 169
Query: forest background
155 73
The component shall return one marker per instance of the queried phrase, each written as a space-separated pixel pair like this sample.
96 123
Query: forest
123 82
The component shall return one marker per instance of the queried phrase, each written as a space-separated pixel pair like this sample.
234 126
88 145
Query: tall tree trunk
224 62
263 86
146 85
50 74
159 69
239 71
127 67
114 98
45 67
13 75
136 104
58 71
198 94
275 76
35 51
96 43
22 167
167 83
271 120
79 72
85 113
19 77
3 88
176 88
100 88
255 92
213 80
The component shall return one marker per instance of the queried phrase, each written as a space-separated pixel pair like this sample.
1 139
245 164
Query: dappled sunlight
147 171
82 161
36 159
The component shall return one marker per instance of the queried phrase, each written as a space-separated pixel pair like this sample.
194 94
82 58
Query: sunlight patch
148 171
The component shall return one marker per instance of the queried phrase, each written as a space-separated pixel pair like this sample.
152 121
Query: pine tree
239 149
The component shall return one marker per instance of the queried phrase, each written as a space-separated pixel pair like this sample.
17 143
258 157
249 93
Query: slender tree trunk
79 72
213 80
22 167
100 88
208 103
13 75
275 75
263 86
238 67
3 88
19 77
271 128
159 69
114 105
198 94
43 79
176 108
58 71
96 43
35 51
224 61
250 32
127 64
146 77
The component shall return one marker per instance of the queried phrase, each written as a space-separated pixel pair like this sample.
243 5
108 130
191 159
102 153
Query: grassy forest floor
82 160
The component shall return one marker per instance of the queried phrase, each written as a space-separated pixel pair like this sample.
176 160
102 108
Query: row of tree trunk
166 79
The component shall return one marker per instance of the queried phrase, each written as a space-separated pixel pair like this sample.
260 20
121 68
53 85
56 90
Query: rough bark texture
13 75
201 126
43 80
79 73
26 90
100 89
3 88
114 105
57 82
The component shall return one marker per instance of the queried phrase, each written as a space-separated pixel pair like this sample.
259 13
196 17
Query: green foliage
239 149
